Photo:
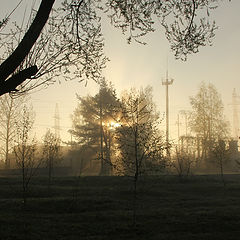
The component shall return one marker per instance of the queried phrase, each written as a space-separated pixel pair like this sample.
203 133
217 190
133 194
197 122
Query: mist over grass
101 208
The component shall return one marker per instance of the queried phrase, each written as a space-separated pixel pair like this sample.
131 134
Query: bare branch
17 79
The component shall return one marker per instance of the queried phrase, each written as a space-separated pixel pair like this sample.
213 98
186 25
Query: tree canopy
68 38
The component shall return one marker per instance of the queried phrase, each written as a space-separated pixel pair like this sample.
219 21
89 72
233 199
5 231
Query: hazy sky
137 65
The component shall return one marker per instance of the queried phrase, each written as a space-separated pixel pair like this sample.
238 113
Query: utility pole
166 83
178 125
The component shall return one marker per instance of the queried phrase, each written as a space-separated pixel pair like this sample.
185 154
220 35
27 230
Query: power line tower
57 122
166 83
235 103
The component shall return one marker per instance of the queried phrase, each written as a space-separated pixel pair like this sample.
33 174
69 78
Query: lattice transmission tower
235 106
57 122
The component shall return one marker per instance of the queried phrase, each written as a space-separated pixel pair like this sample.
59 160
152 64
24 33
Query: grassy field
101 208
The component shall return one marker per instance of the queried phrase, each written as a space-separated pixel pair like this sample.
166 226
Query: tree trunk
221 172
50 169
135 201
7 162
102 171
24 187
135 178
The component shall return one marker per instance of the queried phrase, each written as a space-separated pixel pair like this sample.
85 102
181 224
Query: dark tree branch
17 79
15 59
193 15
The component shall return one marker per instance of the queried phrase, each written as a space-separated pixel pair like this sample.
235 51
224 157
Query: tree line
120 136
124 133
19 147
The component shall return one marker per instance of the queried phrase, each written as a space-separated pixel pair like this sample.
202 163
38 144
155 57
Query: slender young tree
10 109
220 157
183 163
139 142
24 149
51 153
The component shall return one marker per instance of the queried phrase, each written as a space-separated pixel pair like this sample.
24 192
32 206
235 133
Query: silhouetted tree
10 109
207 119
25 149
51 153
92 121
59 50
139 141
183 163
71 35
220 157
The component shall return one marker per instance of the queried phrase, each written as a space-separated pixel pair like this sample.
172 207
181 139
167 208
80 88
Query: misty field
101 208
